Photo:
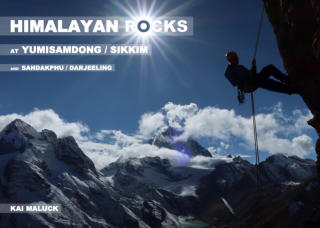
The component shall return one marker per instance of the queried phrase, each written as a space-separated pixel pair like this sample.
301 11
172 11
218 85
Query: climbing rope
256 145
259 32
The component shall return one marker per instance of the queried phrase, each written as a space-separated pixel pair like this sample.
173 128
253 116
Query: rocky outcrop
68 151
296 24
234 183
15 137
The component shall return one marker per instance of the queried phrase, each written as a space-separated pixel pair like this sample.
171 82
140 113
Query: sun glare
144 33
144 14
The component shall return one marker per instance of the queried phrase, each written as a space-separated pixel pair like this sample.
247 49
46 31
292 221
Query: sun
144 33
144 13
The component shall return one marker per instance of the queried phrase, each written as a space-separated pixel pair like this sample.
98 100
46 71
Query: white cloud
103 154
221 148
150 123
208 163
301 118
178 113
277 132
48 119
302 145
117 137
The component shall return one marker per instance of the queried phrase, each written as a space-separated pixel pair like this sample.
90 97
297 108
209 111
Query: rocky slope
236 184
297 28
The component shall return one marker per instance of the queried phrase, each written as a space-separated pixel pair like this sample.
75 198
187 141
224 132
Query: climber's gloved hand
254 66
254 63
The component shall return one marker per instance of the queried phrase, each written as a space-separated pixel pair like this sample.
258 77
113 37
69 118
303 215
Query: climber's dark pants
263 80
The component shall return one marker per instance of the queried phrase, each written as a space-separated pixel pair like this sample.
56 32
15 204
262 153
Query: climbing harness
240 96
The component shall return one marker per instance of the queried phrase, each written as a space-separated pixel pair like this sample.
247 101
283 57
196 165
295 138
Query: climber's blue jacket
236 74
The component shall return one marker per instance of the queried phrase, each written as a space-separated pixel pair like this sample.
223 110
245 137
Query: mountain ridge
130 192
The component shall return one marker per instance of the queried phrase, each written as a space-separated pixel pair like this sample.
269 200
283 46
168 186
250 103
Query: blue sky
118 100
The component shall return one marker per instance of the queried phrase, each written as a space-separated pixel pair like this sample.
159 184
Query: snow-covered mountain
39 167
159 173
133 192
168 139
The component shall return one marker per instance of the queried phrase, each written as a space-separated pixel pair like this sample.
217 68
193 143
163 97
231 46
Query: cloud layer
224 129
48 119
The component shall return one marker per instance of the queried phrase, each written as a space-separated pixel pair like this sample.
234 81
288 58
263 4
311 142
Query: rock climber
248 81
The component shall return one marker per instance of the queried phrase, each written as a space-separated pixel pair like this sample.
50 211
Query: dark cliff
296 24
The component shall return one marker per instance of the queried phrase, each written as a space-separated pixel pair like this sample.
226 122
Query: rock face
297 28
